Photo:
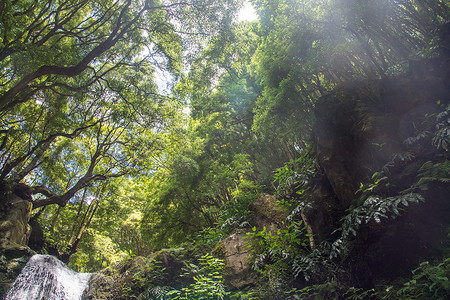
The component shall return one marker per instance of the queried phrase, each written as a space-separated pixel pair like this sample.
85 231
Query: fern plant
373 209
429 281
294 174
378 200
208 281
441 136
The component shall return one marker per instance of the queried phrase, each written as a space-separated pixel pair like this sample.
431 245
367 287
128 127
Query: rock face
324 212
15 212
234 250
13 259
15 209
358 130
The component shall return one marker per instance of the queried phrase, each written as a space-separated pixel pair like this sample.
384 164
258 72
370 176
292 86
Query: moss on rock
136 278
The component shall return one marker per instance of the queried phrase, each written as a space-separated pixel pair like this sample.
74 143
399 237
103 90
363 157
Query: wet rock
13 258
112 282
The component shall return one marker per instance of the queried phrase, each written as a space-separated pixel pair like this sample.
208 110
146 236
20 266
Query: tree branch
42 190
42 145
117 33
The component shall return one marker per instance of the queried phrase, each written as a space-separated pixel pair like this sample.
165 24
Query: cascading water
47 278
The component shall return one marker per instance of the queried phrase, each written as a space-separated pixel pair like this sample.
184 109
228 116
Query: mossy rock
266 212
135 278
13 258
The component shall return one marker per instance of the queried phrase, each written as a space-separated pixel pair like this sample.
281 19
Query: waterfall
47 278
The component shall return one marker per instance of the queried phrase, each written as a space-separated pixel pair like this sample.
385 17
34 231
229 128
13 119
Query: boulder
234 250
236 253
13 258
266 213
136 277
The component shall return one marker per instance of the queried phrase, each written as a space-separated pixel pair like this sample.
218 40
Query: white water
46 278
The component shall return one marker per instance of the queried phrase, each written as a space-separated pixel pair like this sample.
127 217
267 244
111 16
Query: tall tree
79 101
309 47
69 46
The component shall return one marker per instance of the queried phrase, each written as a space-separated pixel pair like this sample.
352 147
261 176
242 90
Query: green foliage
309 47
432 174
201 183
283 244
359 293
279 257
316 266
82 113
373 209
208 281
114 232
234 215
81 105
148 280
295 175
327 290
428 282
381 199
441 136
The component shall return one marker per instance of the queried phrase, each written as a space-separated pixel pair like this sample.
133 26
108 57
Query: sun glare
247 13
